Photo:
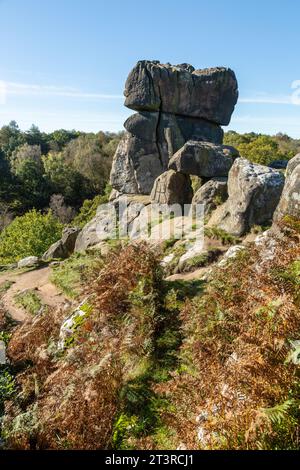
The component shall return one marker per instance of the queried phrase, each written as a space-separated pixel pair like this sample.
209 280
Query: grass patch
71 274
30 301
4 287
224 237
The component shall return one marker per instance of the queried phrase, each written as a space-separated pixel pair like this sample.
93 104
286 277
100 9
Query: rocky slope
188 343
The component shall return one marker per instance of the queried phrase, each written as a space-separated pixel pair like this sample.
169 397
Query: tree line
62 168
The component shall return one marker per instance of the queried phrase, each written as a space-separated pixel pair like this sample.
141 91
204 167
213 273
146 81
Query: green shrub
7 386
28 235
217 233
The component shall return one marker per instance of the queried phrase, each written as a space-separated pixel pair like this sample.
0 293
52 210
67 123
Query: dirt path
37 279
194 275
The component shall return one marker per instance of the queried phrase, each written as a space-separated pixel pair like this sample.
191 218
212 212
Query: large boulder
254 192
211 194
290 200
143 125
124 209
172 188
64 247
203 159
209 94
136 165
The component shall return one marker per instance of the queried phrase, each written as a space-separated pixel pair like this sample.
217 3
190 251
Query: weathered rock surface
172 188
279 164
290 200
28 262
211 194
209 94
143 125
102 227
64 247
199 129
175 104
254 192
125 209
204 159
293 163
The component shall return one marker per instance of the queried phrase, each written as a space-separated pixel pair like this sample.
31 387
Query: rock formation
204 159
64 247
172 188
175 104
211 194
254 192
289 204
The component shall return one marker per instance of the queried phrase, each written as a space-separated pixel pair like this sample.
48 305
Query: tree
60 210
35 137
59 139
27 166
10 138
29 235
88 157
259 148
64 179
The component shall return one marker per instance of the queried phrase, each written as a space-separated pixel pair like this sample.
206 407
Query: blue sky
63 63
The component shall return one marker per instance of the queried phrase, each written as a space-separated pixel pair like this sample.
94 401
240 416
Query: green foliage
263 149
30 301
217 233
5 286
283 419
35 165
5 337
28 235
7 386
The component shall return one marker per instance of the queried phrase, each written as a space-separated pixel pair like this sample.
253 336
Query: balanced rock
254 192
203 159
211 194
290 200
172 188
175 104
209 94
64 247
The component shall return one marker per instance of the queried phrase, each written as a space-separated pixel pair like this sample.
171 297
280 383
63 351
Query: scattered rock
69 326
211 194
65 247
3 359
231 253
254 192
204 159
172 188
29 262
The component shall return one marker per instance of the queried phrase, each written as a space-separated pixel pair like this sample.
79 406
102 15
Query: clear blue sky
63 63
